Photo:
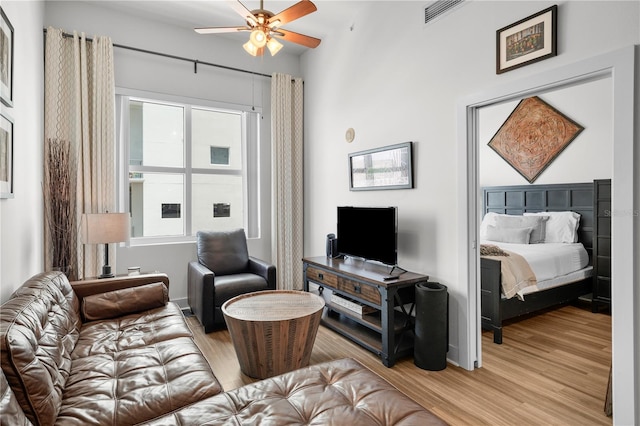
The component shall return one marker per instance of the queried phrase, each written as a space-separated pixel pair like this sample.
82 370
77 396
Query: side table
273 331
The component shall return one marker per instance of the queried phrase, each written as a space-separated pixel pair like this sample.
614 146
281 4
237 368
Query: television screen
368 232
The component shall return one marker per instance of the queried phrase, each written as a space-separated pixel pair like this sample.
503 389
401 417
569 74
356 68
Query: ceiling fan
265 26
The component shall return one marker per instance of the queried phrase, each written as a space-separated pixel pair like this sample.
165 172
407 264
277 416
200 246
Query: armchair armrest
201 292
265 270
93 286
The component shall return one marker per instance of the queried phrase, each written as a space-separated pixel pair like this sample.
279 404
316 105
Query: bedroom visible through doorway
619 67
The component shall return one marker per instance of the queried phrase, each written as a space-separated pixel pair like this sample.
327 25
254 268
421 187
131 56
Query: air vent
437 9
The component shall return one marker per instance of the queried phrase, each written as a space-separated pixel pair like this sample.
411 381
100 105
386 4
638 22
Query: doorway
619 67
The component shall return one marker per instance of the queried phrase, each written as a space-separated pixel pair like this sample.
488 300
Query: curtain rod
180 58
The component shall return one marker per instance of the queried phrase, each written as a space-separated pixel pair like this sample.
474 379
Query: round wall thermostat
350 135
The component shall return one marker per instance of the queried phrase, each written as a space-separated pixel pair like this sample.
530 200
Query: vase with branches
60 211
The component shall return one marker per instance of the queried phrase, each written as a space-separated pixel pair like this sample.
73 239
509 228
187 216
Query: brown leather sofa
80 355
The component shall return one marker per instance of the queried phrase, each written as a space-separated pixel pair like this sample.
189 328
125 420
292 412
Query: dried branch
60 210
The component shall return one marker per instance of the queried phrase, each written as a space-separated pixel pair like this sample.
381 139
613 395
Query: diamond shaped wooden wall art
533 135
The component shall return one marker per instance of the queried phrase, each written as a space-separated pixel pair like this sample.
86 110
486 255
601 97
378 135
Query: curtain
79 146
287 138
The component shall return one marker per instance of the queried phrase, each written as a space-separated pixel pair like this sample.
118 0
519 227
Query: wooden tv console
388 329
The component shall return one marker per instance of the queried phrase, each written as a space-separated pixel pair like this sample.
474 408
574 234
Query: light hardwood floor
552 369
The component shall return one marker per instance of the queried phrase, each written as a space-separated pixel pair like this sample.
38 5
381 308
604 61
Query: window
170 211
221 210
181 157
220 155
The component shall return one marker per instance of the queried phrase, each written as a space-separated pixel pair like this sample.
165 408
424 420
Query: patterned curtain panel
287 138
79 147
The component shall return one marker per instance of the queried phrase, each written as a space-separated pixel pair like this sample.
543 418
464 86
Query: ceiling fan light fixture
258 38
250 48
251 21
274 24
263 25
274 46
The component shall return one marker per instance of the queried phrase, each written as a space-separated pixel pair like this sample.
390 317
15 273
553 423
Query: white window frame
250 160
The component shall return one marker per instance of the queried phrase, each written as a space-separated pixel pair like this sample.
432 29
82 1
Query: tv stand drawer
359 290
321 276
346 285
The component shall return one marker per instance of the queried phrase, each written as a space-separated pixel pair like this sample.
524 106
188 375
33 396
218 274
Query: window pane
217 202
170 211
216 139
156 201
220 156
156 134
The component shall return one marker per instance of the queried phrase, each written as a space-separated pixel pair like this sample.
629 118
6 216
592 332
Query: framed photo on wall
6 157
6 60
529 40
389 167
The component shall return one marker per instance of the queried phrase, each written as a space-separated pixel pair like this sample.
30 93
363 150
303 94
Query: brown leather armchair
224 270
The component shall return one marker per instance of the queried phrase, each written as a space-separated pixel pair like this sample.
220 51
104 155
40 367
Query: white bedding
549 260
553 264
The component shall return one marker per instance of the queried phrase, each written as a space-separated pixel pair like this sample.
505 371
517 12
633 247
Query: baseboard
183 304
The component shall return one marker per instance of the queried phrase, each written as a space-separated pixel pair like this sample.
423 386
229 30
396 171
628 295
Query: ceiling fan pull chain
195 66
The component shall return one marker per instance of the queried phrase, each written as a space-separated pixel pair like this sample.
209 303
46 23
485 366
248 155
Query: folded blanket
515 272
491 250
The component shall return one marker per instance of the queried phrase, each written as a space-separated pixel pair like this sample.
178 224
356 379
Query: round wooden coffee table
273 331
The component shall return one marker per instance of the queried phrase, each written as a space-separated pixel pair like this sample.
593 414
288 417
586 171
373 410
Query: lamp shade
99 228
258 37
274 46
250 48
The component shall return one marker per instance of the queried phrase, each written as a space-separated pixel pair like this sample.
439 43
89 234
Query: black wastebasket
432 326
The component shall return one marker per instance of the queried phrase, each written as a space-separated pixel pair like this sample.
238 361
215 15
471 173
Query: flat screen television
369 232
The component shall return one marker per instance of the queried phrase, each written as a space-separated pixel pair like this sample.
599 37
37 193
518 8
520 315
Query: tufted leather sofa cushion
133 385
40 326
338 392
131 331
12 414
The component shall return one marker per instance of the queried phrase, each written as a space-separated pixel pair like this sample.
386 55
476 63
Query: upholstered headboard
577 197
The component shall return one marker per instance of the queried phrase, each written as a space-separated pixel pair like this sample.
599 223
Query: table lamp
105 228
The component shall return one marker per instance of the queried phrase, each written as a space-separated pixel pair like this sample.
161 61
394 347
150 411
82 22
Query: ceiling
189 14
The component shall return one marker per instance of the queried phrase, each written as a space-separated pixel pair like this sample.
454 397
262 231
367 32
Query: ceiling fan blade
217 30
296 11
242 10
293 37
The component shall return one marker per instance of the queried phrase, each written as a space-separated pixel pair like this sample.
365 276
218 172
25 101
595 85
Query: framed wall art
6 60
6 157
389 167
529 40
533 136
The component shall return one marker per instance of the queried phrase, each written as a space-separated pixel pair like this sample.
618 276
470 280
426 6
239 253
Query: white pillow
488 219
518 221
509 235
562 227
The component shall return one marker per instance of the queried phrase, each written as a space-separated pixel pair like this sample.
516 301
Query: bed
528 199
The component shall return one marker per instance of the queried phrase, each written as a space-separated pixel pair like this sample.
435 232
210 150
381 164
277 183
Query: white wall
587 157
21 218
404 84
141 71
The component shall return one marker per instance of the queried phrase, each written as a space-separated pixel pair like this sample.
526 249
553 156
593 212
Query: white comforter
549 260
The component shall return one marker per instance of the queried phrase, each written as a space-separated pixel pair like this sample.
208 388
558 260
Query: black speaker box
332 245
432 326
